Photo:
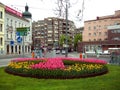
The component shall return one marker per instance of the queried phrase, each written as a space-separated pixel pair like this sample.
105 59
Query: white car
63 52
57 51
105 52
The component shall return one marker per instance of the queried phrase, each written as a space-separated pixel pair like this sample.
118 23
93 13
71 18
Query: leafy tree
78 37
62 40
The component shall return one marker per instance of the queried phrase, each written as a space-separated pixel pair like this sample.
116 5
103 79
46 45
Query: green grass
109 81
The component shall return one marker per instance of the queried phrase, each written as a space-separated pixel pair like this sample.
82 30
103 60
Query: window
94 34
94 27
105 33
105 26
99 33
100 39
19 24
94 39
11 35
7 35
89 28
15 24
99 27
1 28
116 38
7 21
1 41
89 39
118 31
89 34
1 14
115 31
11 22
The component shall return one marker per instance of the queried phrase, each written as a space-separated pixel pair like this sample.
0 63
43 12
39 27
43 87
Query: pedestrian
40 53
44 51
33 54
54 53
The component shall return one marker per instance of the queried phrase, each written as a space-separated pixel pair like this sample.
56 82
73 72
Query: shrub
57 67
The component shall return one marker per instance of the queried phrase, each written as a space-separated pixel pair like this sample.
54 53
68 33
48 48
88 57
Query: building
2 33
97 34
97 30
13 20
79 30
114 32
48 31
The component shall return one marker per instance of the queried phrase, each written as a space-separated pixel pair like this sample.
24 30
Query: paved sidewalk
14 56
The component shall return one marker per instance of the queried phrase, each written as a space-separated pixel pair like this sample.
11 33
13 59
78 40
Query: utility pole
66 42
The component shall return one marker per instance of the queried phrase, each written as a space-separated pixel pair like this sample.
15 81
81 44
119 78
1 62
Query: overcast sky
41 9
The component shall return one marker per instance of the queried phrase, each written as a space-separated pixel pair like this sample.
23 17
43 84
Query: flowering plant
52 63
56 67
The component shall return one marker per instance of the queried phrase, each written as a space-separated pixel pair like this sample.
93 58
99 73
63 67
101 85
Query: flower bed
59 68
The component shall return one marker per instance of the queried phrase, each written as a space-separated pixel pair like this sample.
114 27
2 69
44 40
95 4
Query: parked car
105 52
57 51
63 51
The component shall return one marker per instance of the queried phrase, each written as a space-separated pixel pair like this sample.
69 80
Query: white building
14 20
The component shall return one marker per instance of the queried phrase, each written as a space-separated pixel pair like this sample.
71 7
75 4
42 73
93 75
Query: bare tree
61 6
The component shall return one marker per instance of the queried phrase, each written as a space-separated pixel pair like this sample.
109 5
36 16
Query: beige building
96 34
96 30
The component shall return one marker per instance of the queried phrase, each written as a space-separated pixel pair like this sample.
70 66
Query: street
5 60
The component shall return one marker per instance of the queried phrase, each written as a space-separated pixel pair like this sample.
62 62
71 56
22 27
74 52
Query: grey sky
41 9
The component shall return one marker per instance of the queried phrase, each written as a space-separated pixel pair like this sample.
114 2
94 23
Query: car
105 52
63 52
57 51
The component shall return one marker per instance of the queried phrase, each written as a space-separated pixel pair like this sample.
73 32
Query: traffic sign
18 33
11 43
19 39
23 30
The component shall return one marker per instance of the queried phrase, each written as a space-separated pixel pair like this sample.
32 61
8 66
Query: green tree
78 37
62 40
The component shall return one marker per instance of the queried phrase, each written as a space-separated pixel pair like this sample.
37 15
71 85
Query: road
4 61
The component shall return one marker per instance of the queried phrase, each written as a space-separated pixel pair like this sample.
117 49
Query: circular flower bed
59 68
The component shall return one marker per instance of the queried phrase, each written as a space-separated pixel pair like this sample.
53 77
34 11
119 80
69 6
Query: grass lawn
109 81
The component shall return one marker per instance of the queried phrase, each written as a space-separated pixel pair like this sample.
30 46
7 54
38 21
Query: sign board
11 43
19 39
23 30
18 33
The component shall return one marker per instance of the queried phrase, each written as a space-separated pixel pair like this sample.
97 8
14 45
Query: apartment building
13 20
48 31
79 30
95 34
97 30
2 12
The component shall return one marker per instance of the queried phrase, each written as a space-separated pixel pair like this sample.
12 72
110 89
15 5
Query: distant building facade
48 31
79 30
96 34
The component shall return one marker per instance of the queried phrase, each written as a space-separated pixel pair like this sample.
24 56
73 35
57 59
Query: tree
63 38
78 37
61 41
